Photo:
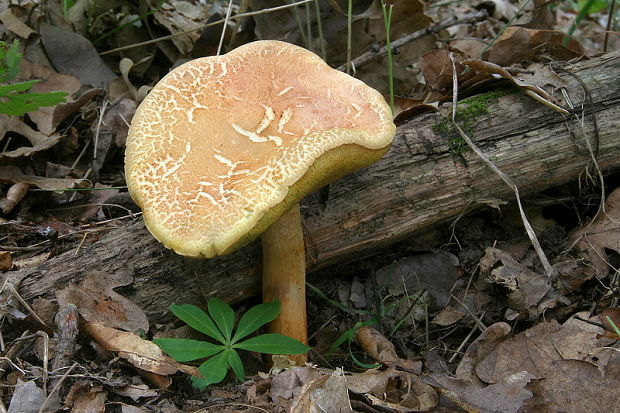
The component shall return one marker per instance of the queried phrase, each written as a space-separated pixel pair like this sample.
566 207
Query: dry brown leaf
479 349
436 67
528 289
447 316
508 396
12 174
73 54
179 16
96 301
433 272
83 397
143 354
603 233
14 24
393 390
287 384
13 196
497 71
376 345
39 141
518 44
407 108
135 392
324 394
29 398
576 386
407 17
6 261
535 349
48 118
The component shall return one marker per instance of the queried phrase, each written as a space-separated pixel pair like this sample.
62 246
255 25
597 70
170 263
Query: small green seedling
613 325
13 101
218 325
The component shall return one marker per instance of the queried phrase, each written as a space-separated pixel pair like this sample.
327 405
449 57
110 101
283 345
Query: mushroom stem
284 276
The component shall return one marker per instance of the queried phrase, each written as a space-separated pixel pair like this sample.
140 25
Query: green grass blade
349 335
198 320
224 317
613 325
255 318
273 344
187 350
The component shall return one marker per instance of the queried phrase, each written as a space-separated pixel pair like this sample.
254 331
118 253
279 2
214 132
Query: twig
320 29
172 36
228 11
442 25
549 270
349 35
610 19
105 105
56 387
12 351
67 324
25 304
46 349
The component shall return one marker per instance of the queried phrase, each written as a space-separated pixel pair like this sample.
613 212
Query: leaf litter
439 310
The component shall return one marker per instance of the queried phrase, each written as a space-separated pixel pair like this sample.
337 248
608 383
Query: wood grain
417 185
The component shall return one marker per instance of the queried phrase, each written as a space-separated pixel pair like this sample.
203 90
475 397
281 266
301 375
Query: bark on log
417 185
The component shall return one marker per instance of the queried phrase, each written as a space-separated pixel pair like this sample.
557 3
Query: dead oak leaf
143 354
508 396
602 233
527 287
12 174
96 301
535 349
39 141
595 391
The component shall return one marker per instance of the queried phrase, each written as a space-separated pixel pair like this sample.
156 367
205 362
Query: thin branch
235 17
549 270
442 25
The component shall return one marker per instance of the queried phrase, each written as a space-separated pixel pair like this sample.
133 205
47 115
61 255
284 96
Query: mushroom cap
223 146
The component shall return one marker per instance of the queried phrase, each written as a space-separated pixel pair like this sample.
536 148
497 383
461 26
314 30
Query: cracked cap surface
223 146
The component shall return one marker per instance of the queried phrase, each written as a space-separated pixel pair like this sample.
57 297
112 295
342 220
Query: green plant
218 325
372 318
13 101
613 325
584 7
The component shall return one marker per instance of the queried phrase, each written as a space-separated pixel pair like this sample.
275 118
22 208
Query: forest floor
462 317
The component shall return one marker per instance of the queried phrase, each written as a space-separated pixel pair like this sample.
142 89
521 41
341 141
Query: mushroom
223 149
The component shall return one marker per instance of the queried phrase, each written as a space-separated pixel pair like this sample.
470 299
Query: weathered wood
417 185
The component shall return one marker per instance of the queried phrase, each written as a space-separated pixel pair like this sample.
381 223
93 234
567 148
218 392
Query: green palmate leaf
9 60
18 105
187 350
213 370
273 344
235 362
6 90
256 317
224 317
198 320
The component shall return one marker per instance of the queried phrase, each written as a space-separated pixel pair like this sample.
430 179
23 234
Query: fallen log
420 183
